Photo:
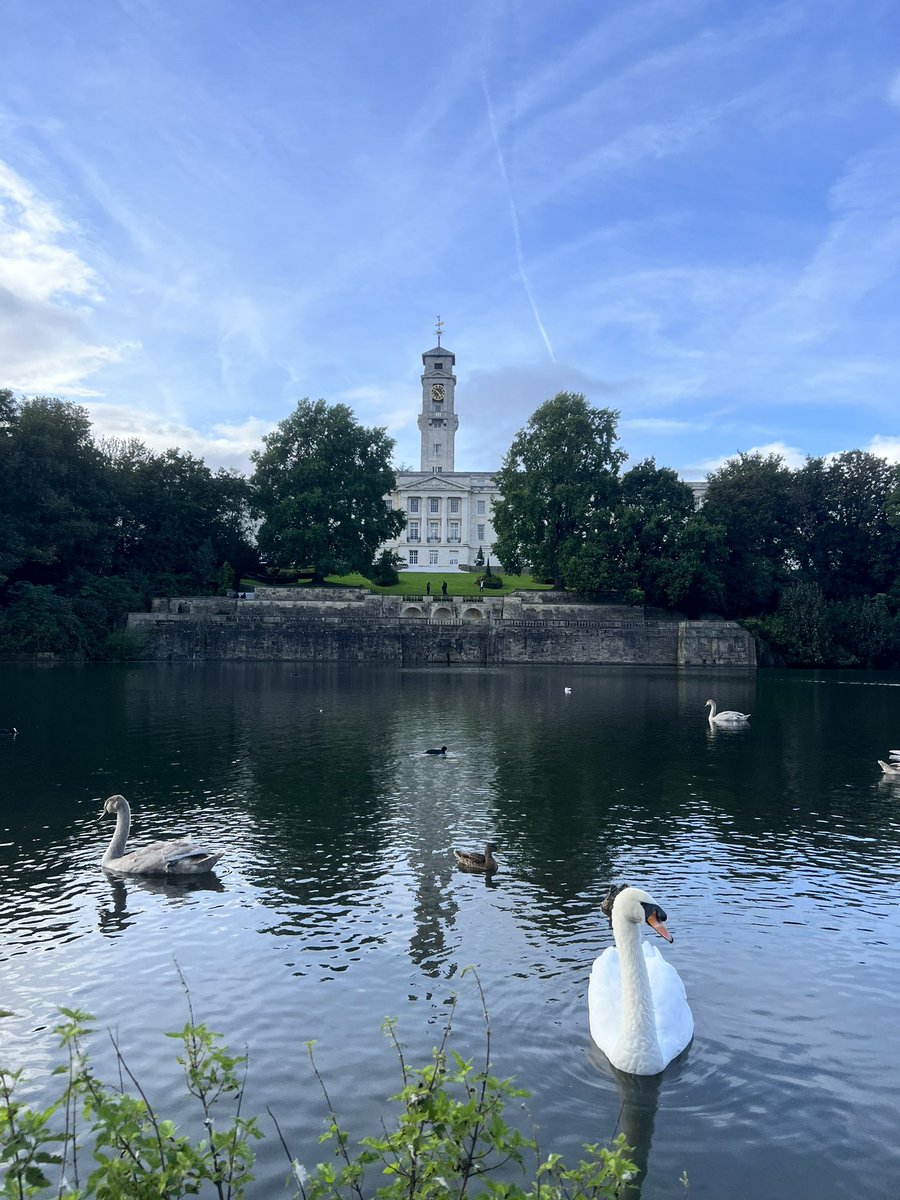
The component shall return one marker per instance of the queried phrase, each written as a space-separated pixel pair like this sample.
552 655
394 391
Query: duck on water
471 860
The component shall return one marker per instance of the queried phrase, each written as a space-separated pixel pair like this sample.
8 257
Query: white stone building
448 512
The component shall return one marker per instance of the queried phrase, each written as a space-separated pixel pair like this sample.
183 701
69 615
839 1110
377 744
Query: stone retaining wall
350 625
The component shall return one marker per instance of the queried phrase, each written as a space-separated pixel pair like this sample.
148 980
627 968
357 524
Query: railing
410 538
434 538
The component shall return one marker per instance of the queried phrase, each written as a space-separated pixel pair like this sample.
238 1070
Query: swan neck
116 847
638 1027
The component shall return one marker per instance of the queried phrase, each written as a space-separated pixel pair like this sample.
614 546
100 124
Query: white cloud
47 291
793 458
885 447
224 444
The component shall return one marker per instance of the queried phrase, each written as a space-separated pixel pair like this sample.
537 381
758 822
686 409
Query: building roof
440 352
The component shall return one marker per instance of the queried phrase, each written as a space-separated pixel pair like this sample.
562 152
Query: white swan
159 858
729 717
892 767
638 1011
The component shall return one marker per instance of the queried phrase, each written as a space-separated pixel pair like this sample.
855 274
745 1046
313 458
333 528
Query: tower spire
439 328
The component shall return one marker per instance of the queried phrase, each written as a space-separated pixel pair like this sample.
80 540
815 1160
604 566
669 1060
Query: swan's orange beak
655 923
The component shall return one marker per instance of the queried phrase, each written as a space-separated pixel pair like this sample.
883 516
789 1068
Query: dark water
775 851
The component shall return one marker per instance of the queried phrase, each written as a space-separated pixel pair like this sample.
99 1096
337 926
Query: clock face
437 391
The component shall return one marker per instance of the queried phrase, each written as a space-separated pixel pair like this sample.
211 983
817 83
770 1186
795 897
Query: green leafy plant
138 1153
450 1137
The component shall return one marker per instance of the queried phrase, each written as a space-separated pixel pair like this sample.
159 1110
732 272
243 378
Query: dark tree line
90 531
809 559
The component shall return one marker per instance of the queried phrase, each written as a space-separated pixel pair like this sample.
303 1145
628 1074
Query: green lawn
412 583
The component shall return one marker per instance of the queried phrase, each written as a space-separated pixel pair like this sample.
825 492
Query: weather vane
439 328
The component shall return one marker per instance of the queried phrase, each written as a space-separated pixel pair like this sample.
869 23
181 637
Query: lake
775 850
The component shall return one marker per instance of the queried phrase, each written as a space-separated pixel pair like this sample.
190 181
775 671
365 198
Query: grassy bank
413 583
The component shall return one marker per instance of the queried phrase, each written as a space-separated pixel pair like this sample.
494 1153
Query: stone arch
472 614
412 610
442 612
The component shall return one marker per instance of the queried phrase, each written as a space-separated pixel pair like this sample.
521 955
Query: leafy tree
54 498
847 540
627 550
750 497
177 521
37 620
319 486
559 473
799 628
863 632
692 579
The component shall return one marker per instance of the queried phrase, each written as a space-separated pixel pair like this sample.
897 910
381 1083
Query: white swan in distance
159 858
637 1007
728 717
892 767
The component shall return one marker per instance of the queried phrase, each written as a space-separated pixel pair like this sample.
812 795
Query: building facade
448 512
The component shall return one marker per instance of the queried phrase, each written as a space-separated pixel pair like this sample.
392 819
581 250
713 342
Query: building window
413 558
454 504
434 531
412 531
437 449
453 535
479 507
389 504
454 558
434 504
414 504
439 366
480 529
432 558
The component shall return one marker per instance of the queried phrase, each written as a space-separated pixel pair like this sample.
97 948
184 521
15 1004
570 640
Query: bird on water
471 860
443 750
728 717
158 858
637 1008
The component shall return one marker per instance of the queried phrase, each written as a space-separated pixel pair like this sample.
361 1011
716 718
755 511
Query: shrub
449 1135
384 569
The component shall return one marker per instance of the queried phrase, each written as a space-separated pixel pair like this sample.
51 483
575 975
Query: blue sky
689 210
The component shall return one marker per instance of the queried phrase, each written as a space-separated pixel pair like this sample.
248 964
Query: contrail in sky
520 259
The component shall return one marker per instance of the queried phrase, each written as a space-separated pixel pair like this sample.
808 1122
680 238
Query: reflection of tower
434 912
438 421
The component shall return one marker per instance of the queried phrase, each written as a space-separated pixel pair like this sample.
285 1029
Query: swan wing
605 1000
166 858
674 1020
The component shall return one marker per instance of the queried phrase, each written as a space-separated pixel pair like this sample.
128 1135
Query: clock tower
438 421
